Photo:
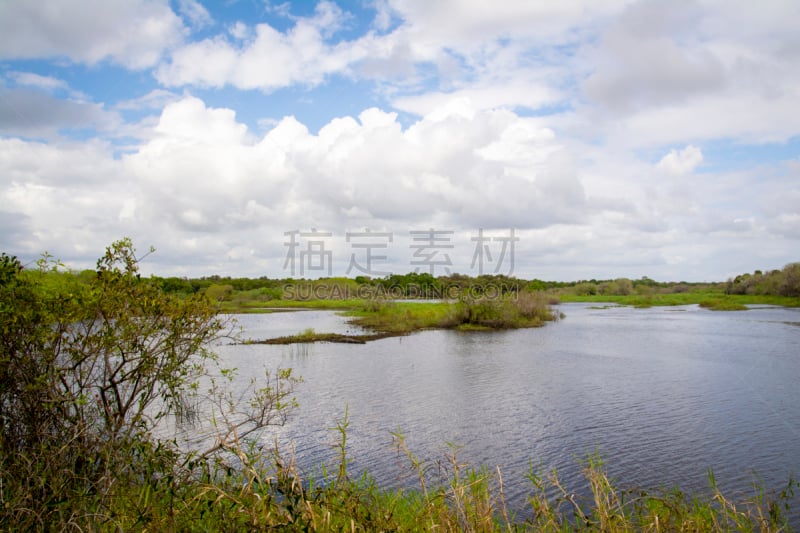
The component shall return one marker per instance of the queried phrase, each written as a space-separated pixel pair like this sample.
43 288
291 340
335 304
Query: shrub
87 371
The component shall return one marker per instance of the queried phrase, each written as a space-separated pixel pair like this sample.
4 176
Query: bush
523 309
87 371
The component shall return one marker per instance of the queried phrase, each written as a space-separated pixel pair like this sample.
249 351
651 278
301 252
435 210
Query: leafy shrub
87 371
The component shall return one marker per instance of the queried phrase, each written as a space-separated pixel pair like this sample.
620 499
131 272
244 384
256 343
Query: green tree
790 285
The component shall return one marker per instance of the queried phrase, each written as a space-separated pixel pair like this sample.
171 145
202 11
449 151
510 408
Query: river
662 394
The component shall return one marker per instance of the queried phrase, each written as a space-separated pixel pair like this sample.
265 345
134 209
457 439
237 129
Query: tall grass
252 488
716 300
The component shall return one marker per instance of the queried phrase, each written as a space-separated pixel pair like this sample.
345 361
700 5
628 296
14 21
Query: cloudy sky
558 140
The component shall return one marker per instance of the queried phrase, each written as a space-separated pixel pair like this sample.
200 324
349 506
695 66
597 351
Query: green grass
402 317
267 491
722 304
269 306
392 318
721 301
523 310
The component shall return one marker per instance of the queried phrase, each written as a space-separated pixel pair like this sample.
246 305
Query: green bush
87 370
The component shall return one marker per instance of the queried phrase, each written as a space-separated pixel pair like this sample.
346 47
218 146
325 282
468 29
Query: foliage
89 366
520 310
784 282
509 311
91 363
269 492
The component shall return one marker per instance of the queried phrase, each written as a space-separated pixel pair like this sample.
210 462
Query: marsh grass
722 304
257 488
269 306
387 318
521 310
721 301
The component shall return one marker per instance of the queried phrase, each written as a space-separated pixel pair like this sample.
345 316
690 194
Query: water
663 394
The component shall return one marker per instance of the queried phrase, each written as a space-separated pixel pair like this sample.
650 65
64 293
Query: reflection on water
663 394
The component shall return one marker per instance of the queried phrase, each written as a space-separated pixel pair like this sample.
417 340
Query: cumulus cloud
210 193
53 191
453 166
203 178
131 33
546 117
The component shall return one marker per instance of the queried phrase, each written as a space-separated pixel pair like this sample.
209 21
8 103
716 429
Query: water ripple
662 395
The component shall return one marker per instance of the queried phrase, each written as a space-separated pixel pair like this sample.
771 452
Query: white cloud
155 99
133 33
202 178
54 192
653 54
469 23
30 79
614 86
206 191
666 73
515 94
681 162
197 15
34 113
269 60
239 30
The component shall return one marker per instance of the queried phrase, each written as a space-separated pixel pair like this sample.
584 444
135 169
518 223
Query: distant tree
218 292
791 280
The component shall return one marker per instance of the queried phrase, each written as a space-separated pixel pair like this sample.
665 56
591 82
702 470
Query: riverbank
382 318
716 301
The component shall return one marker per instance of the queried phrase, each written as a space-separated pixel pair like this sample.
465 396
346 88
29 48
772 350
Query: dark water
663 394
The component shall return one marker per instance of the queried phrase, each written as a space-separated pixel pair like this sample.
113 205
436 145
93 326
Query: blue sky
615 138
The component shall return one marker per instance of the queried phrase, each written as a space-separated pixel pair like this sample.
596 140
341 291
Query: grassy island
392 318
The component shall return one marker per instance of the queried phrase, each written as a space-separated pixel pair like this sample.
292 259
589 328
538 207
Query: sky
563 140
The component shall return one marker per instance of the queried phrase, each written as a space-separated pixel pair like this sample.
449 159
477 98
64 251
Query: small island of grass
392 318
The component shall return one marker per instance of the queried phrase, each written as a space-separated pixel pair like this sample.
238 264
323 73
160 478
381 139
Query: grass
400 318
713 300
522 310
435 314
269 306
266 490
720 304
392 318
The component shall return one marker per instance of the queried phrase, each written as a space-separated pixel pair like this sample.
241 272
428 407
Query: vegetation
721 304
94 364
89 368
512 311
242 295
779 287
391 318
784 282
688 298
